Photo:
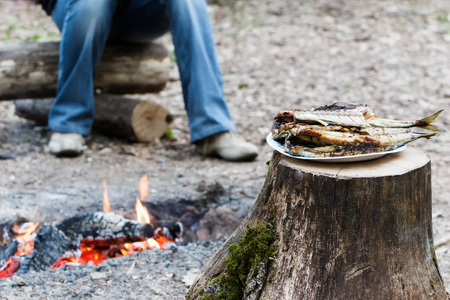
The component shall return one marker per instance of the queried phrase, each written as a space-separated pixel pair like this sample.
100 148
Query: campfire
85 239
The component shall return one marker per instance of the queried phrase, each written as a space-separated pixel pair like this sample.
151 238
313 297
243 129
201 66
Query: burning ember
108 235
25 237
24 245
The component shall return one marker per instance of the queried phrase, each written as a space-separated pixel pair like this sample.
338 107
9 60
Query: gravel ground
392 55
157 274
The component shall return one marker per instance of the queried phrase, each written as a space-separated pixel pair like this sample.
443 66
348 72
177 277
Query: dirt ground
391 55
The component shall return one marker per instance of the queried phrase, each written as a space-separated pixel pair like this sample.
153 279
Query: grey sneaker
227 145
66 144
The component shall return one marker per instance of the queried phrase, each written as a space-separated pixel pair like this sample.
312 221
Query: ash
153 274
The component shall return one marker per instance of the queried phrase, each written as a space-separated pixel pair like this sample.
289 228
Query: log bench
358 230
29 70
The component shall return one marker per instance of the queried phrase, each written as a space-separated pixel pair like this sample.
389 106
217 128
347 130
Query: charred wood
7 233
104 227
170 230
96 229
100 230
8 252
49 245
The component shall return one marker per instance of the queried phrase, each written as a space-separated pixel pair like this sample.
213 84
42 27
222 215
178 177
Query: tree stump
357 230
133 119
30 69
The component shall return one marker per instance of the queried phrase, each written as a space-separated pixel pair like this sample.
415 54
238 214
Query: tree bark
357 230
133 119
30 69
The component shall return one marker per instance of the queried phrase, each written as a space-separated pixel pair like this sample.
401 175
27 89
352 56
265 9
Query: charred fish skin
339 113
283 121
346 149
314 152
305 140
302 147
284 129
372 143
345 118
340 106
280 132
351 115
324 152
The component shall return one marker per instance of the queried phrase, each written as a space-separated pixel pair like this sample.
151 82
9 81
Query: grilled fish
344 129
356 115
353 143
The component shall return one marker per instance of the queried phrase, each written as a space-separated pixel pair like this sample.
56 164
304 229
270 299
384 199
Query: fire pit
208 211
83 239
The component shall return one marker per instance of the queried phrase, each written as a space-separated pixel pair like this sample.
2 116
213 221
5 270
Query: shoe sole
68 153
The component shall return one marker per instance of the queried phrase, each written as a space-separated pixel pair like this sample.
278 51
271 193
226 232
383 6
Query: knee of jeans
92 10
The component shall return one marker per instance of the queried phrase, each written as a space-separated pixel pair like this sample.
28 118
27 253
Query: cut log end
150 121
343 231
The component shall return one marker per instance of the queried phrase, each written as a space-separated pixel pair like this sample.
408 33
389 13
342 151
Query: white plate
359 157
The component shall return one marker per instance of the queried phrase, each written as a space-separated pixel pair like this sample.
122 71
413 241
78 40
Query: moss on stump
247 258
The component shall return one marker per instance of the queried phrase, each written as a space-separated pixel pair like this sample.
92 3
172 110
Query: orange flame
25 236
28 231
128 247
144 191
25 230
106 206
142 212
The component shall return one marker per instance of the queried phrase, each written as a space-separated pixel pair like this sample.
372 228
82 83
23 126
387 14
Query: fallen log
30 69
132 119
357 230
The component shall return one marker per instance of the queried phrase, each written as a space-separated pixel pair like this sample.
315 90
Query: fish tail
428 120
428 131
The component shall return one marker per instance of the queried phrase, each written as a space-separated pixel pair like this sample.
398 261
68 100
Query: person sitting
86 26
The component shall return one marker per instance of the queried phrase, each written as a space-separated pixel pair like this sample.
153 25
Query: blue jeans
86 25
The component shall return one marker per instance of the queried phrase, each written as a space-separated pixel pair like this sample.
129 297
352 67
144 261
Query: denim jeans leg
199 68
192 34
84 26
